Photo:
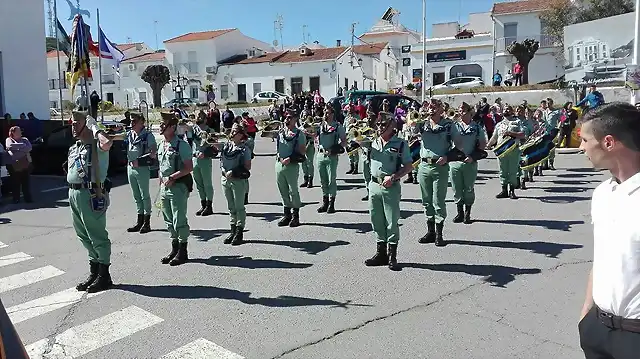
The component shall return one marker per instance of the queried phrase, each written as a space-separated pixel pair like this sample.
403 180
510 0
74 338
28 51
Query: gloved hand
92 125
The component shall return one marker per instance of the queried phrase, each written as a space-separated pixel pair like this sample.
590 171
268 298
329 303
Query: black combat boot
536 171
551 167
208 209
305 183
460 216
174 251
430 237
504 193
355 169
415 178
523 184
310 184
229 238
146 224
203 206
103 282
182 256
512 192
467 214
93 274
325 204
246 198
351 169
409 178
393 251
380 258
238 239
295 219
138 224
518 183
440 242
286 219
332 205
531 176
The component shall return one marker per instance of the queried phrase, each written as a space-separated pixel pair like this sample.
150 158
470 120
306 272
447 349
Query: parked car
49 153
270 95
460 82
394 100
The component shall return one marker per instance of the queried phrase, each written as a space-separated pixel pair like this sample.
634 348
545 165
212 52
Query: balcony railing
108 79
187 67
546 41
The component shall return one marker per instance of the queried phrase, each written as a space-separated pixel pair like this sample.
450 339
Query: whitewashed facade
23 86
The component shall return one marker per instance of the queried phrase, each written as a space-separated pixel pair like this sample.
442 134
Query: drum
535 152
505 147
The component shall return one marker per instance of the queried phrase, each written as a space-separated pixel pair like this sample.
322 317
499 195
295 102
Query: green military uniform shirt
506 125
140 144
331 134
250 143
197 138
553 117
387 159
436 139
79 164
171 155
466 137
233 156
289 142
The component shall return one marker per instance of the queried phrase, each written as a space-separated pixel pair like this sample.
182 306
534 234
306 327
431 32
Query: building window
142 96
473 70
346 83
314 83
252 53
257 88
110 97
386 71
193 92
296 85
224 92
53 104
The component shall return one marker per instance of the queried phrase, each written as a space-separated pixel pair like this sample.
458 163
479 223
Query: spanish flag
81 45
11 346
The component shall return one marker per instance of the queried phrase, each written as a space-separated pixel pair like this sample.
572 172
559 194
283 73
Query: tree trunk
157 96
525 72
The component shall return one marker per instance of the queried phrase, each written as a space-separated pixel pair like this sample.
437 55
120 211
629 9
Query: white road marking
26 278
54 189
14 258
31 309
87 337
202 349
2 245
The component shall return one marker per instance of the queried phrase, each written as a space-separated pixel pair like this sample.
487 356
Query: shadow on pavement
248 262
309 247
265 216
575 182
558 199
546 223
204 292
358 227
564 189
581 169
205 235
347 187
571 175
549 249
5 220
496 275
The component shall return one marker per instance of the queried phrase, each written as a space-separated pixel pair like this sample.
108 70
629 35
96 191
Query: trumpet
270 129
311 125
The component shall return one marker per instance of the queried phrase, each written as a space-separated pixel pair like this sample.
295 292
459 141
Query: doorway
242 93
438 78
314 83
279 85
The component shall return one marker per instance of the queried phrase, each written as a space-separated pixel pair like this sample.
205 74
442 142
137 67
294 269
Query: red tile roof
514 7
197 36
328 53
125 47
370 49
267 57
153 56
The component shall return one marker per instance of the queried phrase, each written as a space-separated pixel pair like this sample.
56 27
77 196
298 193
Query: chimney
338 43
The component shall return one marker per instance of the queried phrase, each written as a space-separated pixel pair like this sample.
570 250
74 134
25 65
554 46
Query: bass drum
535 152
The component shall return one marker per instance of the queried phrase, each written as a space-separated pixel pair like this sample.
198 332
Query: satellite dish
275 42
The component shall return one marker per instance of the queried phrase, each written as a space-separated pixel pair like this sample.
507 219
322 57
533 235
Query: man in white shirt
610 320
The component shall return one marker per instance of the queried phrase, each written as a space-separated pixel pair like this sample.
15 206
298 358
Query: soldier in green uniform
527 125
87 167
332 140
509 127
310 152
291 144
552 117
251 145
433 171
467 135
203 155
390 161
175 166
410 133
366 163
351 124
235 164
141 154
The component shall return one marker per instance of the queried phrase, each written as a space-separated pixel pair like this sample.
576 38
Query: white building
112 84
587 51
23 86
134 89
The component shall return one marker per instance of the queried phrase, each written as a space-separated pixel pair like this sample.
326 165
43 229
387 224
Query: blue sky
326 20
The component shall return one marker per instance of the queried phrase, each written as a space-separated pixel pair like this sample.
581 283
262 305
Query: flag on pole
63 39
79 63
109 51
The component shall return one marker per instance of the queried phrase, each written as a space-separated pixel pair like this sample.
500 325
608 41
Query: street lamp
178 89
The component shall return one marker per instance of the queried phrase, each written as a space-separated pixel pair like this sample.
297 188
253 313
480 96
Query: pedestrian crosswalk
85 338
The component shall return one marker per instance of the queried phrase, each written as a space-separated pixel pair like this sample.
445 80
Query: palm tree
157 76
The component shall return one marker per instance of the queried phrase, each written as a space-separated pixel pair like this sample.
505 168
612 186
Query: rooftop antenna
304 34
50 18
155 29
128 39
279 23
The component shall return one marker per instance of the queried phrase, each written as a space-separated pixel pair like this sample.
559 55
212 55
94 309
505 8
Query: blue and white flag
109 51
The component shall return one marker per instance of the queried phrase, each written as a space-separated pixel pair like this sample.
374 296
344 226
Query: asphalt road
509 285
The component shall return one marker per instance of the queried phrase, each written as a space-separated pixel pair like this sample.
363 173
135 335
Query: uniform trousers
139 178
328 170
234 190
384 209
174 211
287 181
202 176
433 180
463 180
598 341
90 225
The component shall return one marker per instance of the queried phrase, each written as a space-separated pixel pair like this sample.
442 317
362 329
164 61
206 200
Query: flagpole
55 11
100 65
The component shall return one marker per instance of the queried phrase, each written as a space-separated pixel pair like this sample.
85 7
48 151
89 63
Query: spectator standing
94 100
19 149
497 79
249 124
593 99
508 78
82 102
517 70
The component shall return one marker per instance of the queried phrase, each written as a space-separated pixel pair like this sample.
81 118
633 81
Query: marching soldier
332 140
87 167
366 163
467 135
552 116
508 129
390 161
433 170
527 125
203 167
291 144
141 154
176 164
235 164
350 124
310 152
411 133
250 142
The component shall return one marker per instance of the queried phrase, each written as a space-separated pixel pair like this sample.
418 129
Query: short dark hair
618 119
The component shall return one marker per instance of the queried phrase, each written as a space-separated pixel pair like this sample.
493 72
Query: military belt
84 185
431 160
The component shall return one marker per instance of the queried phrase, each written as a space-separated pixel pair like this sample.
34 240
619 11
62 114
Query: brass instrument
311 124
270 129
